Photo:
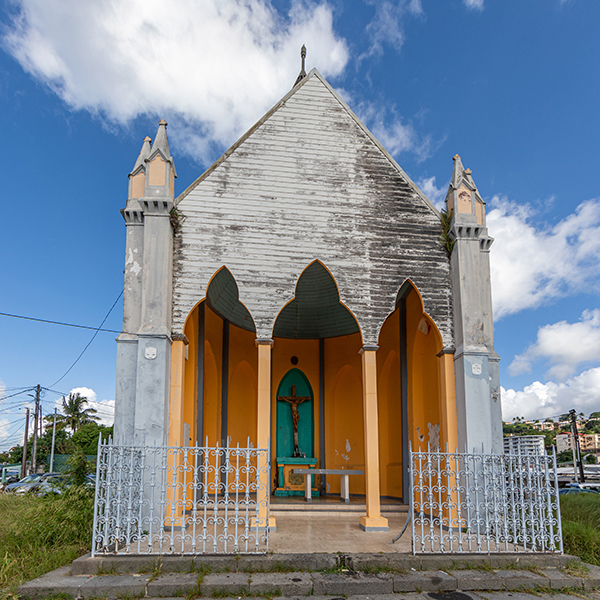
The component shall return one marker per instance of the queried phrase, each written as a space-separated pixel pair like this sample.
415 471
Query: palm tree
75 415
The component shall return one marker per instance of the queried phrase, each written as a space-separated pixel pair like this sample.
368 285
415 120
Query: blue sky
510 85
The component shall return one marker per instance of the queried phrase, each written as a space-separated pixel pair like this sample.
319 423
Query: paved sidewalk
447 584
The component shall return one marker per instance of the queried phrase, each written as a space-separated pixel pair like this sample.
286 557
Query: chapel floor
326 525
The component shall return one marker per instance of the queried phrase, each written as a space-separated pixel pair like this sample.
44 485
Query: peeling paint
135 268
434 436
309 182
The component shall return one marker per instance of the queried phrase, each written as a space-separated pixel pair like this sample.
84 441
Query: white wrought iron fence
181 500
484 503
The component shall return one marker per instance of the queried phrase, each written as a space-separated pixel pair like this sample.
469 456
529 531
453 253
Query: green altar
295 433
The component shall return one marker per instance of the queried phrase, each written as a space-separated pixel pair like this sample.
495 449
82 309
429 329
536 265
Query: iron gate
181 500
484 503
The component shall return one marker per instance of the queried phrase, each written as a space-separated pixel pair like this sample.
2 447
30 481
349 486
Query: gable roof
314 73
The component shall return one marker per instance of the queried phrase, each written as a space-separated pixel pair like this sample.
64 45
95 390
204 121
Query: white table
344 480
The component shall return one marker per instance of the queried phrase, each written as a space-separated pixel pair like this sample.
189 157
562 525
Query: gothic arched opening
319 336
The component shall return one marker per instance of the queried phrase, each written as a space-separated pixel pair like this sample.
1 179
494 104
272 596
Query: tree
86 437
592 426
75 415
595 415
565 456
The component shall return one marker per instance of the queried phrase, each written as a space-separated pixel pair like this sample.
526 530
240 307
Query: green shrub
78 467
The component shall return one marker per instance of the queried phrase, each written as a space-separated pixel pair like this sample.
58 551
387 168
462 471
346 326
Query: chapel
304 295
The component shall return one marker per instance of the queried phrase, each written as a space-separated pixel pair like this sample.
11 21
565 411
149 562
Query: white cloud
387 25
532 266
4 425
565 345
394 135
544 400
435 194
212 67
476 4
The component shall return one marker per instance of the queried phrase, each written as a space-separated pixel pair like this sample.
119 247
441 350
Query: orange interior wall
190 382
344 431
390 407
243 379
307 352
213 329
423 384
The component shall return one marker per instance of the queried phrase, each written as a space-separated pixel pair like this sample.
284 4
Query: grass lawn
581 526
38 535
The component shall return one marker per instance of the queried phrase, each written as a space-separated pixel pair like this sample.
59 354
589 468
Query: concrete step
347 583
304 507
268 563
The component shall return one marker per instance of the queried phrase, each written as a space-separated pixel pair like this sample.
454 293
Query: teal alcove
285 425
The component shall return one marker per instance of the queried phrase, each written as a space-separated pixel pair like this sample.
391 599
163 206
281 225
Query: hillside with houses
559 433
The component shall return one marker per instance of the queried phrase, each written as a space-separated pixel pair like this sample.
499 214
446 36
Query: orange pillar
373 521
175 509
448 400
263 431
175 435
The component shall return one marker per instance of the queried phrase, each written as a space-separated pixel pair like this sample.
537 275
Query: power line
89 343
3 314
18 393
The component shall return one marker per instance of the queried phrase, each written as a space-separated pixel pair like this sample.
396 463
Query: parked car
10 479
24 485
56 483
53 483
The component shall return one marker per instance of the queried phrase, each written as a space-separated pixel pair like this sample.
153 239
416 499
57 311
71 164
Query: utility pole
574 446
52 447
35 428
24 461
573 415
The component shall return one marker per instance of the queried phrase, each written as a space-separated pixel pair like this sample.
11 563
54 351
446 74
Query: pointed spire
302 69
160 141
144 154
468 177
457 171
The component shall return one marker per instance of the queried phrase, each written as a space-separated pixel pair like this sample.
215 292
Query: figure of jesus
294 401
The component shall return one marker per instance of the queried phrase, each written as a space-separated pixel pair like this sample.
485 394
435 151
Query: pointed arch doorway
295 435
316 349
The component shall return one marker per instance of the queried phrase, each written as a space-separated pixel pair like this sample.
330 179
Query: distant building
524 444
544 426
588 442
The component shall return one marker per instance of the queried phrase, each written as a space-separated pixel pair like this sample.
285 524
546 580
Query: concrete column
152 390
263 431
475 360
373 521
127 340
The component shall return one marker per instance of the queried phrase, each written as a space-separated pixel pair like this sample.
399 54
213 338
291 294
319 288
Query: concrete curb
425 581
299 584
86 565
352 583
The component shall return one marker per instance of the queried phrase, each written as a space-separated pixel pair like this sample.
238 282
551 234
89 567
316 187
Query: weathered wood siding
310 183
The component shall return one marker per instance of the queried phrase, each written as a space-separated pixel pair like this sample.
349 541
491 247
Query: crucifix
294 401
